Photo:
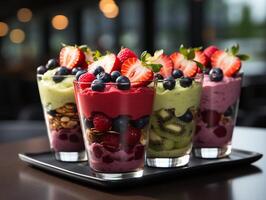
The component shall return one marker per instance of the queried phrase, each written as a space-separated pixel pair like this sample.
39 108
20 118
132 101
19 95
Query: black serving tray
81 171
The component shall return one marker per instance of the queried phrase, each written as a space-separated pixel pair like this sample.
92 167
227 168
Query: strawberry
102 123
71 57
230 64
209 51
111 141
125 53
136 72
167 65
220 131
211 117
201 58
132 136
86 80
109 62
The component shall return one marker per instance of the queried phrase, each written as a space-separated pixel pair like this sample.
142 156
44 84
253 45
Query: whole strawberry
102 123
125 53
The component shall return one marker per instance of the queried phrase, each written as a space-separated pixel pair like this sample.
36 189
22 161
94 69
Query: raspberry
97 151
110 142
125 53
86 80
132 136
102 123
220 131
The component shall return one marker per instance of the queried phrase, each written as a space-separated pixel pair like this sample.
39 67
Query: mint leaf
190 54
201 66
243 57
144 56
197 48
235 49
83 47
155 67
183 50
96 55
63 44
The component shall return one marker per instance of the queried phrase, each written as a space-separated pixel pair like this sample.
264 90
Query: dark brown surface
19 181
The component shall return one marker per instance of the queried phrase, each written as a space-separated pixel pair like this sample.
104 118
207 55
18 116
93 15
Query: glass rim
69 75
114 83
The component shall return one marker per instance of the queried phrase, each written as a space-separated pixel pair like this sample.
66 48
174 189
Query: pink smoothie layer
116 162
136 102
67 140
206 137
220 95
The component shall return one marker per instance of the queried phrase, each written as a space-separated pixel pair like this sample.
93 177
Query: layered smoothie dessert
115 100
219 103
177 99
55 82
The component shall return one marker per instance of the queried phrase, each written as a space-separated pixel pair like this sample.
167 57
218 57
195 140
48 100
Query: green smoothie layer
54 95
179 98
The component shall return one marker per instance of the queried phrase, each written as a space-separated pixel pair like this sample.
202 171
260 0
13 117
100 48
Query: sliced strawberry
209 51
136 72
71 57
201 58
126 53
188 67
167 65
111 141
230 64
109 62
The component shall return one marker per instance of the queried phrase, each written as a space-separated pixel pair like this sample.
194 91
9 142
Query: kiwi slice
168 144
173 128
164 115
152 153
154 138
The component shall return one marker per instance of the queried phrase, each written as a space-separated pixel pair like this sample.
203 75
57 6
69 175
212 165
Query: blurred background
31 32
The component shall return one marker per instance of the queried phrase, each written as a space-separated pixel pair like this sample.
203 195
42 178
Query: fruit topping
169 83
220 131
59 74
177 73
97 151
216 74
75 70
132 136
141 122
101 122
51 64
139 152
173 128
120 124
186 117
206 71
164 115
111 141
41 69
71 56
211 117
123 83
86 79
158 76
209 51
115 75
98 85
98 70
105 77
138 74
185 82
109 62
228 61
188 60
125 53
79 73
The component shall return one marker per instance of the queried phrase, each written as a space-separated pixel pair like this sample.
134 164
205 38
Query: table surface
20 181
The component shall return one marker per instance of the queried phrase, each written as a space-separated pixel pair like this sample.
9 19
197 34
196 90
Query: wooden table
19 181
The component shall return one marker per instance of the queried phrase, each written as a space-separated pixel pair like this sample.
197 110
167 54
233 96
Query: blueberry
51 112
169 83
187 117
41 69
177 73
123 83
97 85
79 73
52 63
88 123
216 74
98 70
158 76
62 71
115 75
105 77
75 70
206 71
141 122
185 81
120 124
229 112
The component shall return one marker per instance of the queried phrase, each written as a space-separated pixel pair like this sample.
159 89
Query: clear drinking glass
173 124
61 117
217 117
115 126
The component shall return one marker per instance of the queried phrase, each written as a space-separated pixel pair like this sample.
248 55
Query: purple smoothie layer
67 140
120 161
214 127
